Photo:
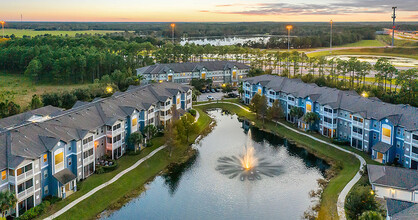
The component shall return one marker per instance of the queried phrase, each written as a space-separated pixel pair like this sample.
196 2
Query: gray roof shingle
381 147
32 139
191 67
399 209
396 177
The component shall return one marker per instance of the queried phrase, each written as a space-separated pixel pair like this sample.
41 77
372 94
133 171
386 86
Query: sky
207 10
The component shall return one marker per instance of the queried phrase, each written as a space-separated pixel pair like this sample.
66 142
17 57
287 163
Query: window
374 136
46 189
308 107
3 175
134 122
116 127
69 161
59 161
88 140
415 137
69 148
45 158
45 173
116 139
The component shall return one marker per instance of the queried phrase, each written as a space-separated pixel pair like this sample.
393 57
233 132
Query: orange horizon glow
190 11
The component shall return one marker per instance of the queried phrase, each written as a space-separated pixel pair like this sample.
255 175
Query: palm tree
135 139
310 118
296 112
150 131
7 201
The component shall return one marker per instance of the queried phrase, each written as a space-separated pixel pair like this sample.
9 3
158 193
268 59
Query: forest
196 29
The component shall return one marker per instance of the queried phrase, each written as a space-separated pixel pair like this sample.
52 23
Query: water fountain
248 166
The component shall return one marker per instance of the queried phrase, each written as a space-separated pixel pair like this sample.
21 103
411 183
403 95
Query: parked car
232 95
203 91
217 90
210 97
207 90
213 90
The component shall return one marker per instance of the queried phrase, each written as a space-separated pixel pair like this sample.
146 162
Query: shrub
371 215
360 200
192 112
35 211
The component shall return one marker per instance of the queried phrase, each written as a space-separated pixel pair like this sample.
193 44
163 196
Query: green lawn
20 88
32 33
131 184
365 43
348 162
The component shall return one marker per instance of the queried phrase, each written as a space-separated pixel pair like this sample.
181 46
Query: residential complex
45 152
386 131
219 71
399 187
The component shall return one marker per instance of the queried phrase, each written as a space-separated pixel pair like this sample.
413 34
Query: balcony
89 159
165 107
330 115
165 118
357 135
329 125
24 176
25 193
415 142
414 155
358 124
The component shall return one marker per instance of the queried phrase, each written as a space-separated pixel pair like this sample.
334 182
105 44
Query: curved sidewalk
347 188
114 179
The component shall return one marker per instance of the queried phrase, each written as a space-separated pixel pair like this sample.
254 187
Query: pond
197 190
224 41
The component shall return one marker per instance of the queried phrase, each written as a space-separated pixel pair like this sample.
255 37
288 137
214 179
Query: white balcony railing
358 124
25 193
329 125
414 155
356 135
89 159
331 115
25 175
415 142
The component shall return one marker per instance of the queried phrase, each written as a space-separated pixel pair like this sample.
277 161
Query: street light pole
393 26
172 32
2 27
288 27
330 41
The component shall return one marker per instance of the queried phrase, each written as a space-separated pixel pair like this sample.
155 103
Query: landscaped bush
360 200
192 112
149 144
105 166
340 142
35 211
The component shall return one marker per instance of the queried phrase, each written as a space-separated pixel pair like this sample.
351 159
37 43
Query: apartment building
219 71
46 151
386 131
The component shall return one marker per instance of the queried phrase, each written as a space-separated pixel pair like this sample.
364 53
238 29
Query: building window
45 158
45 173
69 161
374 136
134 122
3 175
46 190
59 161
69 148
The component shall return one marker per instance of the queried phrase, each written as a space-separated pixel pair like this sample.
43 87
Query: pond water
196 190
224 41
397 61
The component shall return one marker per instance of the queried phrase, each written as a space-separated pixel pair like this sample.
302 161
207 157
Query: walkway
114 179
347 188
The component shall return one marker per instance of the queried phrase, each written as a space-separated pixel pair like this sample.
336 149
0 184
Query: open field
365 43
20 89
409 52
398 42
32 33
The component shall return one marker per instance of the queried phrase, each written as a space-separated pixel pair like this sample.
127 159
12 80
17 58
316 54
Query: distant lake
223 41
196 190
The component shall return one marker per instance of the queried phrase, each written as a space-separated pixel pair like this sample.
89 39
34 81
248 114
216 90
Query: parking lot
215 95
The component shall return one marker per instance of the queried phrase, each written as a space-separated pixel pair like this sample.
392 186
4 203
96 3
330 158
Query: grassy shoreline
131 184
348 163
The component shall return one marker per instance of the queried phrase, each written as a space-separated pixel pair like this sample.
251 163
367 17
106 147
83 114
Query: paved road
347 188
114 179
